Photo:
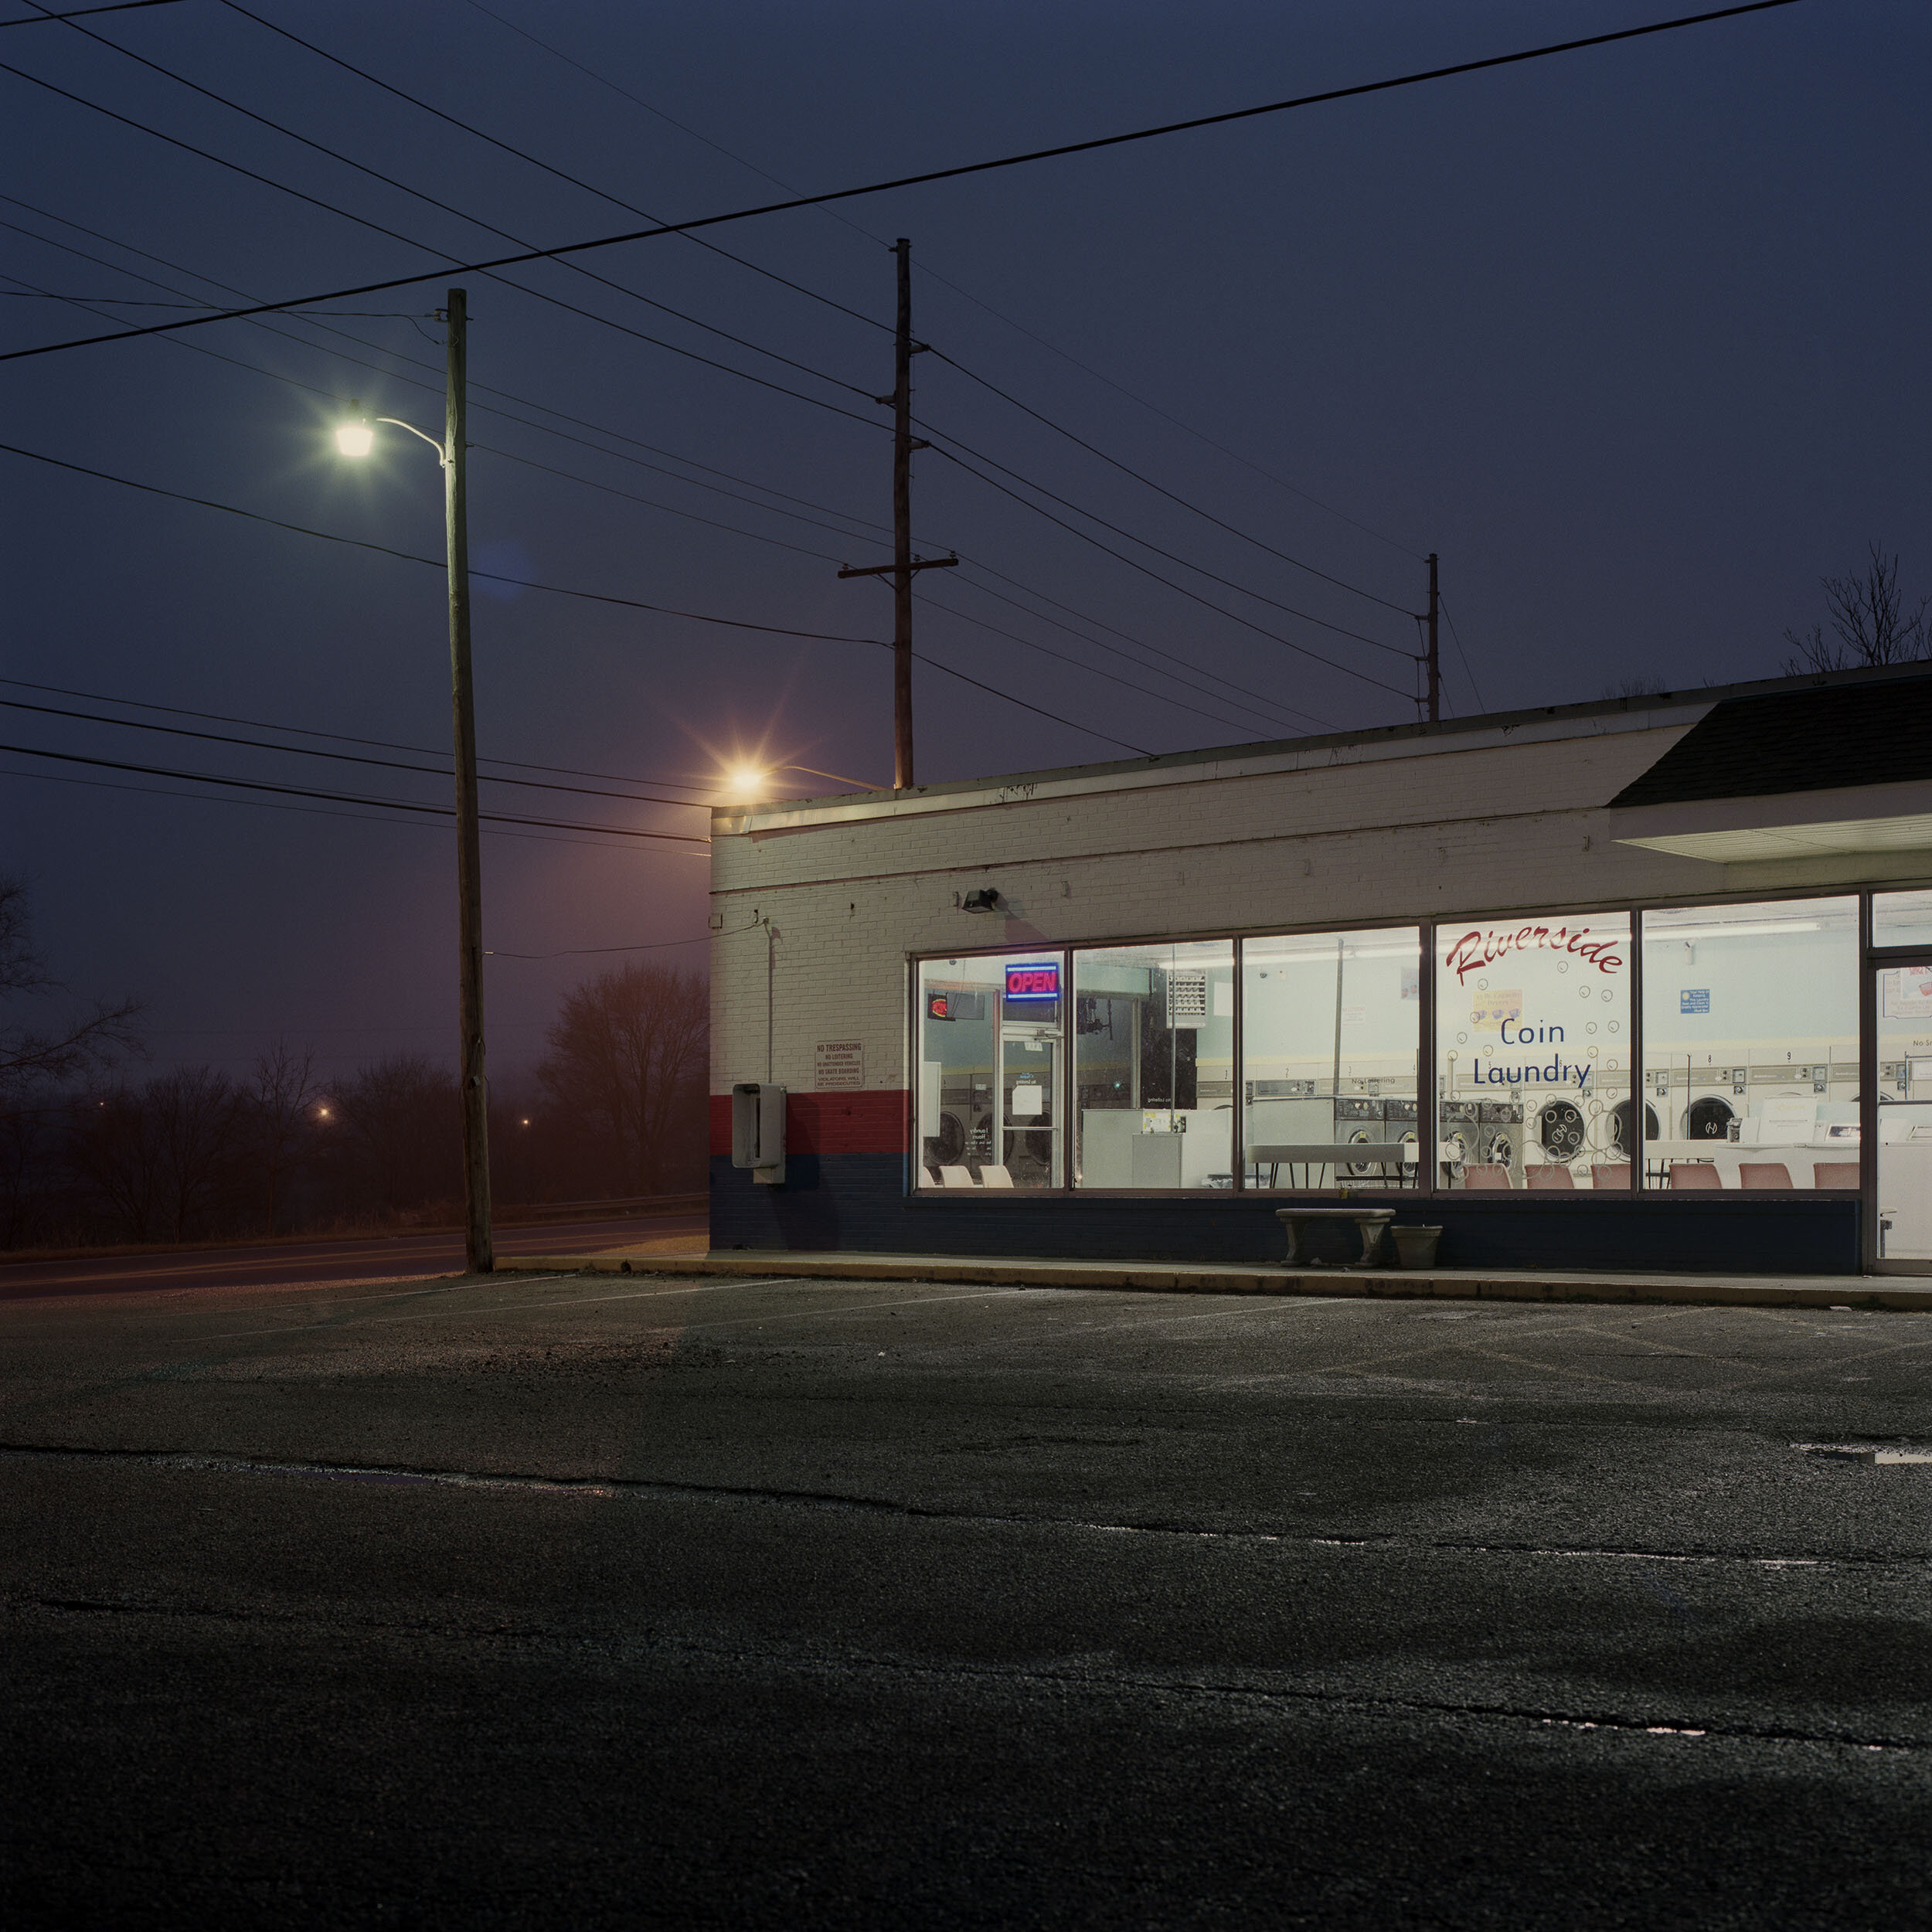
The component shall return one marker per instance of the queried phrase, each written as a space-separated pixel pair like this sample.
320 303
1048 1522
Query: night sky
1635 337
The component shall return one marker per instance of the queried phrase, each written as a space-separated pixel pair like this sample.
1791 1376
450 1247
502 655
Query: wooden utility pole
904 565
479 1248
1435 660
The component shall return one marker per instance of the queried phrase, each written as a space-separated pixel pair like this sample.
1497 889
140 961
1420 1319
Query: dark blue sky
1634 338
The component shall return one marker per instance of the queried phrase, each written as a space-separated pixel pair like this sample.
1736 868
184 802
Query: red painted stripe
869 1121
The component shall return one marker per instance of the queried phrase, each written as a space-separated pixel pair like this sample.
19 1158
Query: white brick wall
1433 827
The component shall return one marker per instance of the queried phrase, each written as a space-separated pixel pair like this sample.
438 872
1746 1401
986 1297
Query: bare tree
278 1119
405 1118
627 1060
65 1045
161 1156
1870 624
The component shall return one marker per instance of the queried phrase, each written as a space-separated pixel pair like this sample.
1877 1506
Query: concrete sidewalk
1170 1277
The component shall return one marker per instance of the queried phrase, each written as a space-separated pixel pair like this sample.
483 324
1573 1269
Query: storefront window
1901 919
1331 1027
1154 1066
990 1035
1751 1046
1532 1052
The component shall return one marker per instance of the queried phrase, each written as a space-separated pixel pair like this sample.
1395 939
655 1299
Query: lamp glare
354 439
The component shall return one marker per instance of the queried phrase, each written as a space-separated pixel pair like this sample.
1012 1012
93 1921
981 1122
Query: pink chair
1762 1174
1834 1174
1611 1174
1482 1177
1694 1174
1550 1175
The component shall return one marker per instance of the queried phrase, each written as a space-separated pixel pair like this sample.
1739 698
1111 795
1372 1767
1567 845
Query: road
386 1257
584 1603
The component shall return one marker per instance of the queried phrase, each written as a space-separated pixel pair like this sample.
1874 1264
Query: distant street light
748 782
356 437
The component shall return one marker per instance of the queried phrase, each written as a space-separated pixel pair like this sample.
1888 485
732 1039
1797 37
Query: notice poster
1029 1100
838 1063
1905 992
1491 1009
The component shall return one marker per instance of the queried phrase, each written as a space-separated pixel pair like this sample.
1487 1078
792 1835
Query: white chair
994 1177
957 1177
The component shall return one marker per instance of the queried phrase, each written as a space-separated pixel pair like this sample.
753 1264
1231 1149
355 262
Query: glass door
1904 1116
1028 1129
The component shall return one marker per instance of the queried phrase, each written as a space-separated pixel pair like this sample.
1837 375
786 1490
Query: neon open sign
1036 980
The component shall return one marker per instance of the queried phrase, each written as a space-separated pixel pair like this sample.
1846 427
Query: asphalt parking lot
595 1602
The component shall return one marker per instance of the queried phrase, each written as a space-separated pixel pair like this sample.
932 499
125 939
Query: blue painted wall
858 1202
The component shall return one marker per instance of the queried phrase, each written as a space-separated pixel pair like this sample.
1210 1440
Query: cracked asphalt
584 1602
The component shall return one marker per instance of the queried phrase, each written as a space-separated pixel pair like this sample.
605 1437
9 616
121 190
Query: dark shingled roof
1815 740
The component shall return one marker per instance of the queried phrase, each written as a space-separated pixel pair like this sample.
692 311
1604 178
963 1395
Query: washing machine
1559 1125
1456 1135
1499 1134
1359 1120
1618 1128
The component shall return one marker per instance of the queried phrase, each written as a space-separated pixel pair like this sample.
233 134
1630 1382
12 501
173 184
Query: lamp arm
442 455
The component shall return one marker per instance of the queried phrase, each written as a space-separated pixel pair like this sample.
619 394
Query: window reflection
1331 1022
990 1041
1750 1045
1154 1066
1532 1050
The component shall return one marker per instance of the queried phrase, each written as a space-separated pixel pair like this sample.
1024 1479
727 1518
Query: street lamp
747 782
356 437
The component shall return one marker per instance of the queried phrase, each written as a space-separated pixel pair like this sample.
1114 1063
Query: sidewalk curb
1824 1292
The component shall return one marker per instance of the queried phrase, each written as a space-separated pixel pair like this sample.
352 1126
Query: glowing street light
355 438
748 782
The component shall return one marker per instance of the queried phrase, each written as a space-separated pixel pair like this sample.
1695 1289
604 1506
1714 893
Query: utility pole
904 564
1435 660
479 1248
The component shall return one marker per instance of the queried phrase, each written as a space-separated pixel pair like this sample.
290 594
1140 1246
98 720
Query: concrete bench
1370 1221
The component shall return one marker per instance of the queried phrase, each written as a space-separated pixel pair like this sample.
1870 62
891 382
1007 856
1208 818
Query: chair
957 1177
1693 1174
1834 1174
1488 1177
1613 1174
991 1176
1551 1174
1762 1174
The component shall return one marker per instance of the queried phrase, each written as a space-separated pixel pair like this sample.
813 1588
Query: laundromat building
1642 984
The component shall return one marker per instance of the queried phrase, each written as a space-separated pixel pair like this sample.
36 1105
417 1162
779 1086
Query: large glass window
1154 1066
1532 1052
1751 1046
1331 1027
1904 1151
990 1036
1901 919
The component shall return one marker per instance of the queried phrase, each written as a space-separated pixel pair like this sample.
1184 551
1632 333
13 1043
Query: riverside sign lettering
1486 945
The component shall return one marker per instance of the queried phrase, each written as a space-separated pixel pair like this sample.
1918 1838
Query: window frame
1516 1200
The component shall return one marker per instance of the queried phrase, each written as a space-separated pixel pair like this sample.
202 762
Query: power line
340 798
408 556
615 201
738 160
1189 672
306 811
1467 671
1161 697
1334 664
594 597
122 6
1214 576
918 180
435 387
336 737
393 234
342 757
1060 429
